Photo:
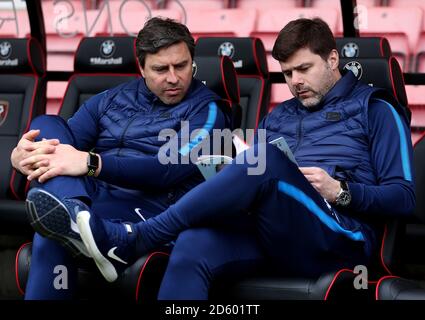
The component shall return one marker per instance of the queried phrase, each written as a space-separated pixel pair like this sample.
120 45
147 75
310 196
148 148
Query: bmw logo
355 68
194 69
226 49
350 50
5 50
107 48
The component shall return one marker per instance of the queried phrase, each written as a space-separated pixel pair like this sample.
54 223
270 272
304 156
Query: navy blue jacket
123 124
355 136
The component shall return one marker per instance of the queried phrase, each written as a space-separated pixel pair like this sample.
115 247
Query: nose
297 78
171 76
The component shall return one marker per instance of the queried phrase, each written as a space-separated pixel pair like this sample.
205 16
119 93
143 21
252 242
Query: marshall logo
107 50
4 109
5 52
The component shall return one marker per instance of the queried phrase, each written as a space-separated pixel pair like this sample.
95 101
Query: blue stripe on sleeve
403 142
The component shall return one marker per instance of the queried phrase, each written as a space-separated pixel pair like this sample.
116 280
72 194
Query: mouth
303 93
173 91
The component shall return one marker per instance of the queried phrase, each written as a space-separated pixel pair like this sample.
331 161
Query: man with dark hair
354 163
106 159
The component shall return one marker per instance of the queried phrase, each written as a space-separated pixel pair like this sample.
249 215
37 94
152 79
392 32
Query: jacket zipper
123 134
299 134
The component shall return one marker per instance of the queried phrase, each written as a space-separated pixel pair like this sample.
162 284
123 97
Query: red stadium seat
255 4
391 23
196 4
221 22
271 21
129 22
14 23
55 93
65 25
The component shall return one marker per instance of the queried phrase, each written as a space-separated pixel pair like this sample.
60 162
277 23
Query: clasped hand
46 159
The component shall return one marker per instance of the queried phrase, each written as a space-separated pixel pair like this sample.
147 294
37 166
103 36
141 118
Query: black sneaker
56 219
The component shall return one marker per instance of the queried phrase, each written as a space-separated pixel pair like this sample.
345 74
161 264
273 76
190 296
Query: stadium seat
249 59
224 82
195 4
396 288
364 47
273 4
14 23
100 63
271 20
66 23
336 4
416 97
220 22
22 97
391 23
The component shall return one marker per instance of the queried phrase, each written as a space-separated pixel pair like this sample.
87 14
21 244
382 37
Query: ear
333 59
141 71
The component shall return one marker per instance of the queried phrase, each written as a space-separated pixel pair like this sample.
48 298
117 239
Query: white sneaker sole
105 266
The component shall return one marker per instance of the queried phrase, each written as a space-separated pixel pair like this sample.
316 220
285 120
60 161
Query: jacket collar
339 91
152 98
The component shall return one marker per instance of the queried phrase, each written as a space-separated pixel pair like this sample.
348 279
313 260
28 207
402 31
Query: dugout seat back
22 97
249 58
100 63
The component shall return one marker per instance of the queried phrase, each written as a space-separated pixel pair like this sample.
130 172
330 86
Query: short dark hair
158 33
314 34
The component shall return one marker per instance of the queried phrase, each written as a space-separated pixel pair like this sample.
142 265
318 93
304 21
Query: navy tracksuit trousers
106 200
229 226
235 224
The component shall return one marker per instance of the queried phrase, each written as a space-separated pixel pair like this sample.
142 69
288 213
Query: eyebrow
162 66
300 66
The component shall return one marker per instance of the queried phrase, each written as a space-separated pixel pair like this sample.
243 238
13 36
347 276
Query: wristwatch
92 163
343 198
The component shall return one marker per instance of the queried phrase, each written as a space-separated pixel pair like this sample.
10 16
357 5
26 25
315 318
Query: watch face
344 198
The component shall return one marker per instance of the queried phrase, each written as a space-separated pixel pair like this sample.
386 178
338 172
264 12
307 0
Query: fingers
30 161
31 135
37 173
48 149
50 173
31 146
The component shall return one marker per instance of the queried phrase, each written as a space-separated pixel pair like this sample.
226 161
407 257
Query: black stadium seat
22 97
396 288
224 82
367 47
249 59
100 63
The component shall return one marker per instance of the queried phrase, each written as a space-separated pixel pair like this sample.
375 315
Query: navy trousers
107 201
235 224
